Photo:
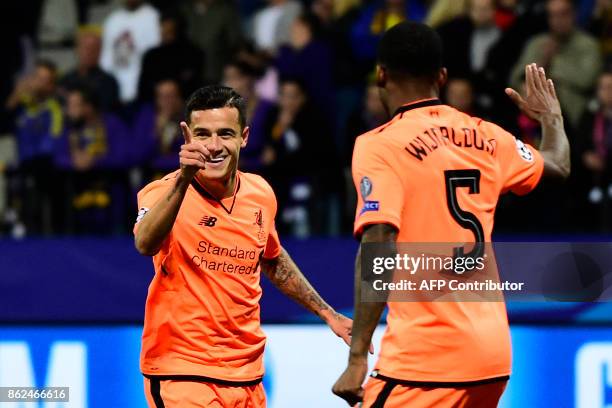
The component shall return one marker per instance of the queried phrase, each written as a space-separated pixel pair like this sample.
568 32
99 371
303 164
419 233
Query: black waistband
199 378
439 384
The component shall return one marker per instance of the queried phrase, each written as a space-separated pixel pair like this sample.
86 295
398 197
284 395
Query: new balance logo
208 221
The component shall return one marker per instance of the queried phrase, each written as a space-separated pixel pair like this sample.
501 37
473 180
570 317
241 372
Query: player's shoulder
162 182
377 135
492 130
256 184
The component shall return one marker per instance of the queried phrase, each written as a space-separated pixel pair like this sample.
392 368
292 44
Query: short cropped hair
411 50
214 97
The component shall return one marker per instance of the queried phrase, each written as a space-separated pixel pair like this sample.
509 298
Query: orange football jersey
436 175
202 309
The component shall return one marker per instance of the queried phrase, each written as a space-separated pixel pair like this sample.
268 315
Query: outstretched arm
367 315
541 104
157 224
288 278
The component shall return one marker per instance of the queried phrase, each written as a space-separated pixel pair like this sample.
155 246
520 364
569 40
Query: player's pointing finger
186 132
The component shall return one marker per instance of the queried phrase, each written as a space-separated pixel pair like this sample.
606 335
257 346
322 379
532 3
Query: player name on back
421 146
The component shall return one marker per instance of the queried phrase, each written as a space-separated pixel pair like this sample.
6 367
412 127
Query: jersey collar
418 104
204 193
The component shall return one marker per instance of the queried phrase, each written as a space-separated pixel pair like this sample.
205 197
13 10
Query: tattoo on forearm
286 276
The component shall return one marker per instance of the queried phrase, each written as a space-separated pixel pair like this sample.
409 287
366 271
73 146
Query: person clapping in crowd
38 126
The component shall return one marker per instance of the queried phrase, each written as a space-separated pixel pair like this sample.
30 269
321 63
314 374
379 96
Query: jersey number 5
469 179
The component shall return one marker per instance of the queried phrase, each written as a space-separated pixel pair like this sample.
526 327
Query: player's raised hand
193 154
349 385
540 99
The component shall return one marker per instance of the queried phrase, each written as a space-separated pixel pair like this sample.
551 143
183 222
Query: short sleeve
273 246
380 198
521 165
147 197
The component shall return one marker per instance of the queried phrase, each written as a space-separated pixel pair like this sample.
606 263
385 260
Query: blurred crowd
93 91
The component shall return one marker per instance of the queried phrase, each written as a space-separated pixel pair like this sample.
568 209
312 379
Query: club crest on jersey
141 213
259 222
523 151
365 187
208 221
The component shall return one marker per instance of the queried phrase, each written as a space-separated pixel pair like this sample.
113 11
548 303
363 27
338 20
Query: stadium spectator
570 56
176 57
377 18
88 72
370 115
349 72
93 137
127 34
272 24
443 11
309 60
592 160
342 7
242 77
215 27
506 14
469 43
459 94
296 166
38 126
518 21
40 115
91 149
156 130
468 39
600 26
56 27
324 11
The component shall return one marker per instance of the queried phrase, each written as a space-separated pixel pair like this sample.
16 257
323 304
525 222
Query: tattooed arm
288 278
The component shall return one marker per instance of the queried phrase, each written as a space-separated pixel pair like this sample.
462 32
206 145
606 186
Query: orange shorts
389 394
168 393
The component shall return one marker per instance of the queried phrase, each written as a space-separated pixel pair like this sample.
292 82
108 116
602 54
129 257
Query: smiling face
220 132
